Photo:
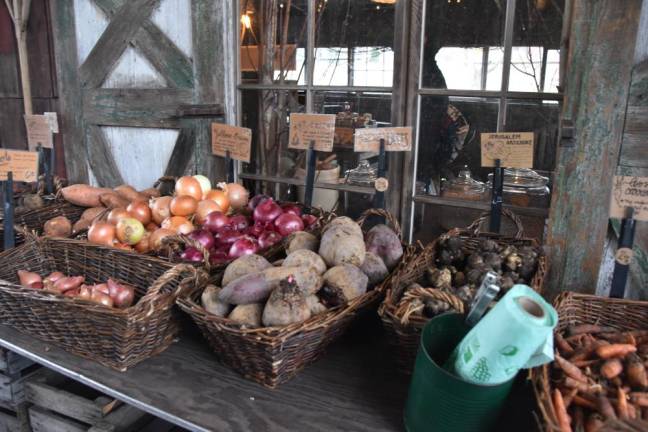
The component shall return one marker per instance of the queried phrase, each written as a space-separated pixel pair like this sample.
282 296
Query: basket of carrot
599 371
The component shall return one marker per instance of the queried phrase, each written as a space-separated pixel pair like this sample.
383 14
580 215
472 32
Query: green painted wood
69 90
124 25
600 62
158 49
101 159
135 107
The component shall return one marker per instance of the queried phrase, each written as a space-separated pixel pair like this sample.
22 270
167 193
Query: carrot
611 368
570 396
589 328
581 401
632 411
561 412
569 369
644 413
615 350
640 400
636 372
583 387
587 350
585 363
594 423
563 345
622 404
578 419
604 406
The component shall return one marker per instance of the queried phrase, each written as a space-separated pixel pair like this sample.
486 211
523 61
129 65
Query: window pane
263 21
449 138
354 41
463 45
535 56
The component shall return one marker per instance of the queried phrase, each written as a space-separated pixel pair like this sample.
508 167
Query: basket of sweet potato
599 372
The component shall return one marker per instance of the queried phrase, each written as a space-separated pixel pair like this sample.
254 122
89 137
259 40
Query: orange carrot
604 406
569 369
563 345
636 372
632 411
615 350
561 412
594 423
622 404
581 401
569 396
611 368
589 328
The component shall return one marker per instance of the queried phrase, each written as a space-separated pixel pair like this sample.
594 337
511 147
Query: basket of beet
268 320
445 275
98 302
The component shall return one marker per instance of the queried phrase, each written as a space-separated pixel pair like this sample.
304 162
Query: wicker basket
118 338
273 355
404 334
574 309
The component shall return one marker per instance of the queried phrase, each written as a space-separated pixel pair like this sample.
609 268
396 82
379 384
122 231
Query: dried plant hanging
19 12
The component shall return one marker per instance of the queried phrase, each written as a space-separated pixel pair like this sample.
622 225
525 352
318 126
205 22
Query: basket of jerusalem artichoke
445 275
268 321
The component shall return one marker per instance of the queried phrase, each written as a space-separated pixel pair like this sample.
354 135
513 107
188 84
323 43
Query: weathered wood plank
43 420
134 107
634 149
600 59
158 49
126 22
183 153
10 83
101 159
70 118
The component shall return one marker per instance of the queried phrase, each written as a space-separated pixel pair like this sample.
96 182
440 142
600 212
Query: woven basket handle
389 219
162 179
168 276
181 239
475 226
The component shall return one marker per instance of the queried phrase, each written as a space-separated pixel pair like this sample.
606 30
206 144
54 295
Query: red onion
227 236
244 246
203 237
256 200
256 230
215 221
292 208
269 238
267 211
239 222
288 223
218 257
309 219
191 254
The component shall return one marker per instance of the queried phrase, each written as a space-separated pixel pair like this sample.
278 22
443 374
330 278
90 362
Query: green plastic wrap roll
516 334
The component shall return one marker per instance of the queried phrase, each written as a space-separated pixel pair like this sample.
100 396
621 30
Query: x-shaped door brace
130 23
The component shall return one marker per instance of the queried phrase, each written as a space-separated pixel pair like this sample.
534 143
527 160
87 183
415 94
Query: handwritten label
629 191
53 121
513 149
237 140
38 131
305 128
624 256
381 184
396 139
23 165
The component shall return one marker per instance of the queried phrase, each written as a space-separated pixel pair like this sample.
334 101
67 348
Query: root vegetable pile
599 373
112 293
315 276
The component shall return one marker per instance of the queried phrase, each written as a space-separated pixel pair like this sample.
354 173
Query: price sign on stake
396 139
305 128
39 131
23 165
513 149
628 191
236 140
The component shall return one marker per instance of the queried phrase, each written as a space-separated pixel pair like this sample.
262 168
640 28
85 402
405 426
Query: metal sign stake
50 173
229 163
379 198
624 255
311 161
496 198
8 206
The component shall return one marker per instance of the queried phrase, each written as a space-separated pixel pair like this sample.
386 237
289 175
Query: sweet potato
342 245
130 193
151 193
248 315
347 280
83 195
308 279
212 303
244 265
384 242
81 225
249 288
375 269
301 240
286 305
113 200
305 258
91 213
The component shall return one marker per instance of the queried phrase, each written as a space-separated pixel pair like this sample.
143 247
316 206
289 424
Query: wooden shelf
343 187
479 205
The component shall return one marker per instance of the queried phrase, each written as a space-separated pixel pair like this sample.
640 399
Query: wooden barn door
125 67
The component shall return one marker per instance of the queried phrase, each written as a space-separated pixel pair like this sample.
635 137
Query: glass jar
524 187
363 175
463 187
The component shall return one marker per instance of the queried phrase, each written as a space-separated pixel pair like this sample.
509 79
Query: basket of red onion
97 302
259 228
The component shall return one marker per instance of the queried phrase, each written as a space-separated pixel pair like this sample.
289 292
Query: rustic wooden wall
43 75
